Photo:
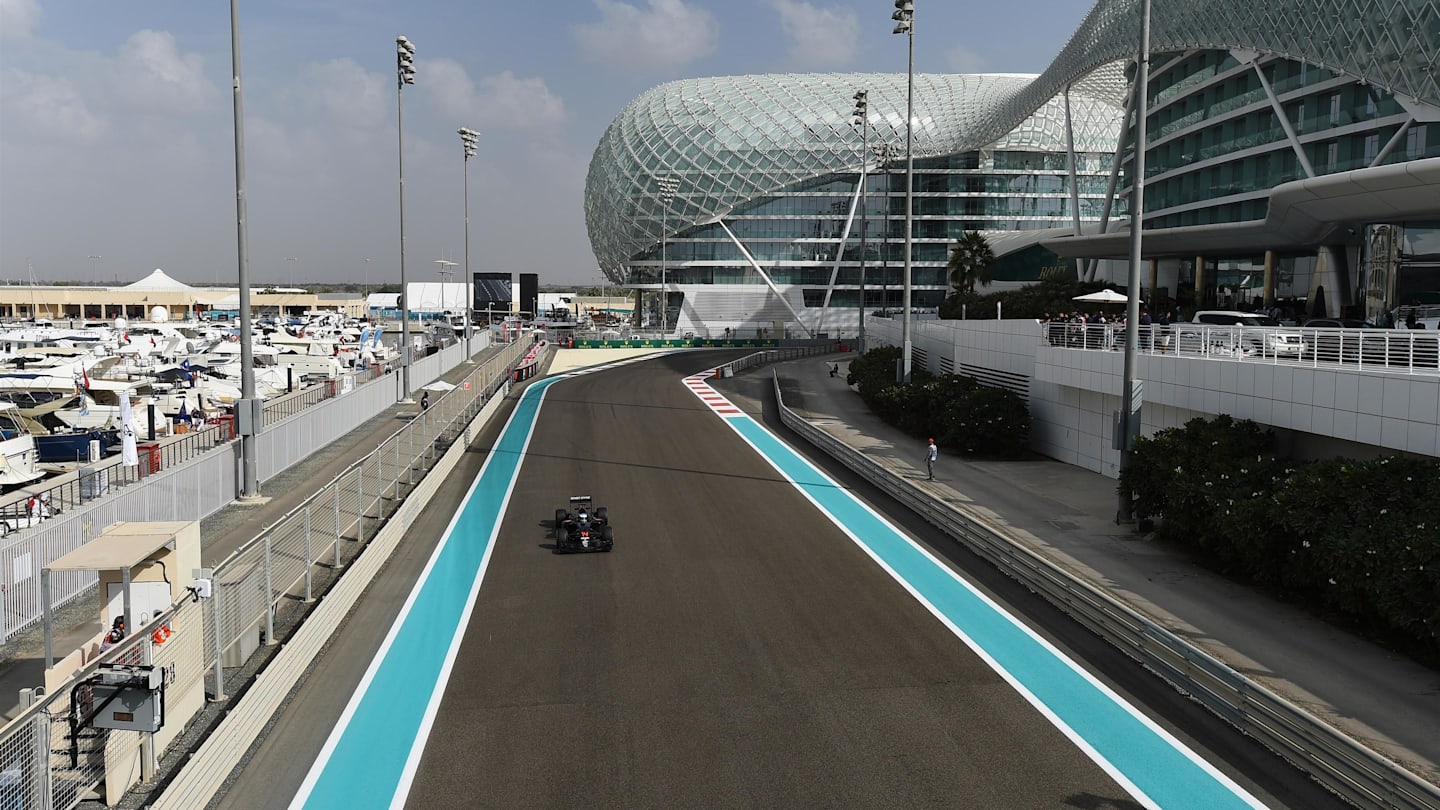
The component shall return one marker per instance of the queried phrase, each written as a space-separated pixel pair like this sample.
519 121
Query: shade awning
120 546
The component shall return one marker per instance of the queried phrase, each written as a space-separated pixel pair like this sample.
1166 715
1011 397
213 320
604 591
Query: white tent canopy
159 281
1102 297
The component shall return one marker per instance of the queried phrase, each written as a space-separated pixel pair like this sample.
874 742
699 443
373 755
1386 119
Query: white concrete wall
1318 411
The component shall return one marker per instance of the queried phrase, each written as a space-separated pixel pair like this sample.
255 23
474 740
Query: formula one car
581 528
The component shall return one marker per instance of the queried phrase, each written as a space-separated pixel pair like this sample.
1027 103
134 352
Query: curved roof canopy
734 139
159 281
731 140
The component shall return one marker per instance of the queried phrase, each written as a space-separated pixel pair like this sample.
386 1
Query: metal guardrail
1340 763
95 480
329 529
1410 351
778 355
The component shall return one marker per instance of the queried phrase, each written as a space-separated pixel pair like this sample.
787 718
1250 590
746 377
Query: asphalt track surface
736 649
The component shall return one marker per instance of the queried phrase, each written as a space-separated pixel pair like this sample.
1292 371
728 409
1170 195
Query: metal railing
1412 351
160 489
1340 763
276 568
777 355
95 480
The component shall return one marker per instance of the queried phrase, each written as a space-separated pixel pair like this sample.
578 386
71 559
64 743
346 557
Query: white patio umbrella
1102 297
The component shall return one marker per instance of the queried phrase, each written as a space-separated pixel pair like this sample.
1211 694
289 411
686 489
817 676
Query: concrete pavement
1066 513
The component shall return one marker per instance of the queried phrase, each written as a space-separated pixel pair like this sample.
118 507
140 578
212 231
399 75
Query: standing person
931 453
834 369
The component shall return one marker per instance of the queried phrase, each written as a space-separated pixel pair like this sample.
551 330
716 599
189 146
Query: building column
1269 279
1200 281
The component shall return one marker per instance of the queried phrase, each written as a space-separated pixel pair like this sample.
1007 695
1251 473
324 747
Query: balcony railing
1413 351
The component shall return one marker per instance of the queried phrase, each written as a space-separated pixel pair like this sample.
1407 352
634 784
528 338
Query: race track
738 648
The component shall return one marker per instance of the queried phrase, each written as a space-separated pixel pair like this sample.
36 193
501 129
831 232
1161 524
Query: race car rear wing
579 500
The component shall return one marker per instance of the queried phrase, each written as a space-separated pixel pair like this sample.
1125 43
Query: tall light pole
248 415
1130 391
905 24
885 153
860 118
668 187
404 74
469 141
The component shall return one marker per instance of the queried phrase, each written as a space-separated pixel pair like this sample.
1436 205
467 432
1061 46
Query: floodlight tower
404 74
905 24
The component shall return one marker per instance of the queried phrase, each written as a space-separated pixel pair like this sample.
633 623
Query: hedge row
962 415
1355 539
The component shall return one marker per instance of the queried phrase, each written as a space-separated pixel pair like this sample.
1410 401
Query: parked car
1330 343
1249 333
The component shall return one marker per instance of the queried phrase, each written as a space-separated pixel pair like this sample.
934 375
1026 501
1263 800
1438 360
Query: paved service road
736 649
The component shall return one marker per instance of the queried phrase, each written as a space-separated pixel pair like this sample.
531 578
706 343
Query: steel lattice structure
731 140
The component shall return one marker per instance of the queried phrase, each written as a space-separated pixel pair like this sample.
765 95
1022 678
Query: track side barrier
208 768
1342 764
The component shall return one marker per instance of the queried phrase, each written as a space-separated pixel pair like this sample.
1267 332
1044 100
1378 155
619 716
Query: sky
117 150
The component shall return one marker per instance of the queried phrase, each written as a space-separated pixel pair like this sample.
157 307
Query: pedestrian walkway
1066 513
221 534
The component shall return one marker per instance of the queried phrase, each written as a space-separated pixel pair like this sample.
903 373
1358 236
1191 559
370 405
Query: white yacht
18 456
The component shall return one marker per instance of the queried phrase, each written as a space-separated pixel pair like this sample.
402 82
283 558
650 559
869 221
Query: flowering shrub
1354 539
962 415
1362 539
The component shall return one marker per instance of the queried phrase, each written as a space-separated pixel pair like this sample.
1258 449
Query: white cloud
153 76
661 38
521 103
963 60
503 101
48 107
18 18
353 97
820 37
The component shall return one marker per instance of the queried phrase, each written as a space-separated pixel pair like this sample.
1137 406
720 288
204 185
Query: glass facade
801 226
1217 145
766 166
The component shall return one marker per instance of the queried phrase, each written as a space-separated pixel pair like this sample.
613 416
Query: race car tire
602 513
562 534
606 535
560 515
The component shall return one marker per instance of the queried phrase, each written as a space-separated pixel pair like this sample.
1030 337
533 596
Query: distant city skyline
116 150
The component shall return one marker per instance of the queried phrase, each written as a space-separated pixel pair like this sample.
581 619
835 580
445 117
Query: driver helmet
583 514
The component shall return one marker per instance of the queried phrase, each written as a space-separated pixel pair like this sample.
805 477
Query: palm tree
970 262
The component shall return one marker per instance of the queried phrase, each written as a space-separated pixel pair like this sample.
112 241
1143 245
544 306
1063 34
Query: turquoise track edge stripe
1163 773
367 760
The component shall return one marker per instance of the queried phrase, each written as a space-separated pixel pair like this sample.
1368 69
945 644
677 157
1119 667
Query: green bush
1354 539
1051 296
972 419
1211 480
1362 539
873 371
962 415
